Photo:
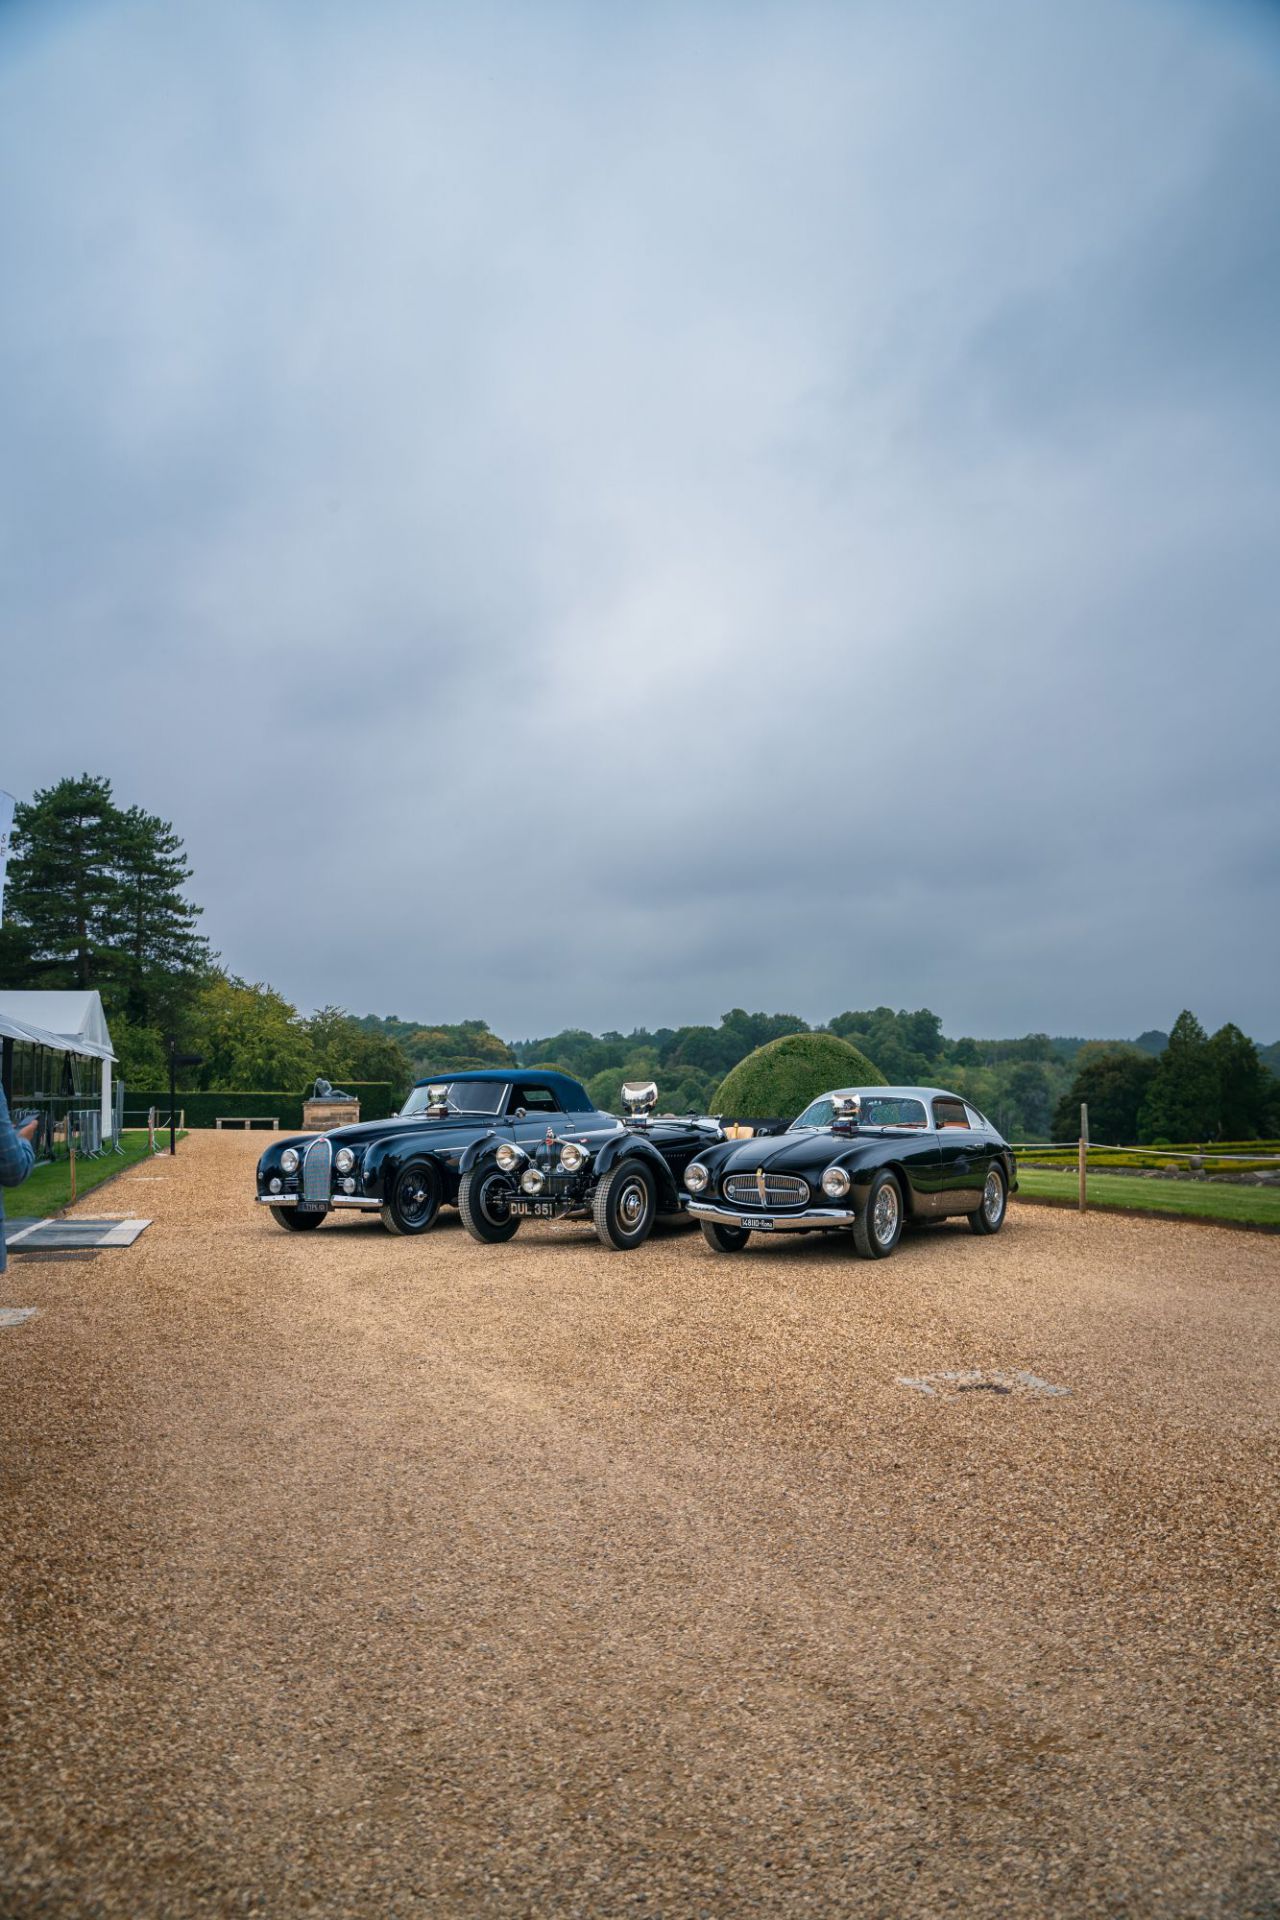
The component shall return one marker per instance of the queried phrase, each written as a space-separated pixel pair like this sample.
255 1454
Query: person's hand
29 1131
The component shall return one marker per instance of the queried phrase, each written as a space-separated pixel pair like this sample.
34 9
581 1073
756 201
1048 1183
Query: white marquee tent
66 1022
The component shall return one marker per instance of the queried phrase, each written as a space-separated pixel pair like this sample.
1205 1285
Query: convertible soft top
570 1093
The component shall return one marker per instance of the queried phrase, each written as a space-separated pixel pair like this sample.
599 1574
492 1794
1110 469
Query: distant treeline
1182 1086
97 897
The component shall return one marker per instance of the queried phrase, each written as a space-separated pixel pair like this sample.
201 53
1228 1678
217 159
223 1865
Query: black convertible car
408 1167
620 1178
863 1161
499 1144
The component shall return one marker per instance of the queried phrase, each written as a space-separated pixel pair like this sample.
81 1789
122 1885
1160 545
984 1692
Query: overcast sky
592 516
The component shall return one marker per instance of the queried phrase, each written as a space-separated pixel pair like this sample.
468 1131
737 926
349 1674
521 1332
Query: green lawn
49 1188
1252 1206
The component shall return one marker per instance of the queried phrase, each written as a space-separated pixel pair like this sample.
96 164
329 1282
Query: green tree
905 1045
249 1036
343 1050
1182 1101
1114 1082
1029 1097
63 888
1245 1089
157 958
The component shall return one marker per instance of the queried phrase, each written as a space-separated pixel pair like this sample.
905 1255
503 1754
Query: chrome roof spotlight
639 1097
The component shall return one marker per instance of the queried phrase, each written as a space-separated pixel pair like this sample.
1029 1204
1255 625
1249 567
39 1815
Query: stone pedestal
319 1116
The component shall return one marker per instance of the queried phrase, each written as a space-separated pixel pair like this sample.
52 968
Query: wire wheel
989 1217
886 1215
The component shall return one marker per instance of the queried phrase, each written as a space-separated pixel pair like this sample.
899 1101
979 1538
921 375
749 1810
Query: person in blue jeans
17 1157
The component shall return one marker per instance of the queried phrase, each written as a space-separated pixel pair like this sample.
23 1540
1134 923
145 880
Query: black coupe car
863 1161
621 1176
408 1167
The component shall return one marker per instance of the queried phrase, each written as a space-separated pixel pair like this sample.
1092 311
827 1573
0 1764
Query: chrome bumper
334 1200
782 1222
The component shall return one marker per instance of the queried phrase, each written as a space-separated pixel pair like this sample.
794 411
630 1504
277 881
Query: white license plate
535 1209
763 1225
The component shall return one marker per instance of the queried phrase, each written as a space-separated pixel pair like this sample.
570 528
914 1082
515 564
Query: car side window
976 1120
950 1113
534 1099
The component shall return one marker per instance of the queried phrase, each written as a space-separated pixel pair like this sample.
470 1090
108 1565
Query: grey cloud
764 506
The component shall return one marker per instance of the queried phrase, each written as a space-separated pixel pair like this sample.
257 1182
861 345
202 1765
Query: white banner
6 835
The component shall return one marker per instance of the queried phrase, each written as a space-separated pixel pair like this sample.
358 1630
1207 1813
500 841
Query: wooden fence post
1084 1156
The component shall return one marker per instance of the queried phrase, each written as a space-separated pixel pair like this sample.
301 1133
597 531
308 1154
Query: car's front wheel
990 1215
624 1205
414 1200
484 1201
724 1239
878 1228
296 1222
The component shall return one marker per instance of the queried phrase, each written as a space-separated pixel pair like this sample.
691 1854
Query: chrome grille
780 1190
315 1170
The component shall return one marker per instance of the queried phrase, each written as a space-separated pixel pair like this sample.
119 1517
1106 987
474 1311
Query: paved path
343 1575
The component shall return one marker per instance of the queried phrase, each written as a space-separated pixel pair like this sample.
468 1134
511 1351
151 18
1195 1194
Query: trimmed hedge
783 1076
205 1109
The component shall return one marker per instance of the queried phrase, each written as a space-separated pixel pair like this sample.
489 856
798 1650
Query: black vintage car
863 1161
408 1167
621 1177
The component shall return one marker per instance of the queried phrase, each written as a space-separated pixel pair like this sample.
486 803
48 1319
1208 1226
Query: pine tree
1244 1094
95 900
157 956
62 884
1183 1100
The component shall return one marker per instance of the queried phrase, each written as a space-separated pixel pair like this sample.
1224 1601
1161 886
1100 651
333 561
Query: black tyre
414 1201
296 1222
724 1239
995 1199
878 1228
624 1205
484 1201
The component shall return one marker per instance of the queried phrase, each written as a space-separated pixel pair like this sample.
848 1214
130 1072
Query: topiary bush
778 1080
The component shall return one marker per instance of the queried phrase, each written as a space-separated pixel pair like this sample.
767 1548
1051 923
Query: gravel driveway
348 1575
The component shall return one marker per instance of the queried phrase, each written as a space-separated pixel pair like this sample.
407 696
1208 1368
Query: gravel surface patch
353 1576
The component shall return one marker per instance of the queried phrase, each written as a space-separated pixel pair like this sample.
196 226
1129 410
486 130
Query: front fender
863 1174
634 1146
383 1163
481 1149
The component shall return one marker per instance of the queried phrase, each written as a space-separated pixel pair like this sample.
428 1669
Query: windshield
463 1096
874 1110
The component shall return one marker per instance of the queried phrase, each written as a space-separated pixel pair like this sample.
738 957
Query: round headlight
275 1185
573 1157
349 1184
835 1183
531 1180
696 1177
289 1160
509 1156
344 1160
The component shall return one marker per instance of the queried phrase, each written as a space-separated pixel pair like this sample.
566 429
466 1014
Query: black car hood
785 1152
362 1132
